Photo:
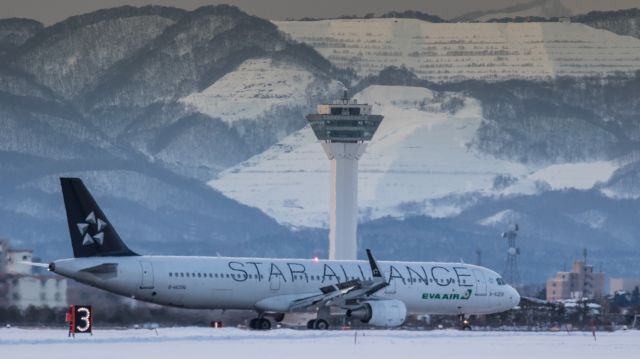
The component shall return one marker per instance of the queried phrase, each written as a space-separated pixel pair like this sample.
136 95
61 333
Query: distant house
22 286
580 283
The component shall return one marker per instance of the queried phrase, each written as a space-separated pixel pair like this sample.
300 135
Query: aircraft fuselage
268 285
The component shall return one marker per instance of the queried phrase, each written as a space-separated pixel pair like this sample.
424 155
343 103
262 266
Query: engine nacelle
381 313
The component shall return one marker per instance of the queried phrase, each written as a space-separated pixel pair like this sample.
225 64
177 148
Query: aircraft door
481 282
147 275
274 283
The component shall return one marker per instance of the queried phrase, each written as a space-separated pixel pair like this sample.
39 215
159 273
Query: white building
14 259
37 290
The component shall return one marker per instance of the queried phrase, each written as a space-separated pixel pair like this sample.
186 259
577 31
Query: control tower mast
342 128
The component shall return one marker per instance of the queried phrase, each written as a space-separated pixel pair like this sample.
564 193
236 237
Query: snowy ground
225 343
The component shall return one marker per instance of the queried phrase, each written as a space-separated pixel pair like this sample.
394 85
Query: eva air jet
379 293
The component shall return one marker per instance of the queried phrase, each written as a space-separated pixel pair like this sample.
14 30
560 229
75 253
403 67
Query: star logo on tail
84 228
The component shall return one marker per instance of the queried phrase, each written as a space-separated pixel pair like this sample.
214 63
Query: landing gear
318 324
278 317
260 324
465 322
321 324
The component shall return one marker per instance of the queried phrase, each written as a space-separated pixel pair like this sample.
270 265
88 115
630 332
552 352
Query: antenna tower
511 274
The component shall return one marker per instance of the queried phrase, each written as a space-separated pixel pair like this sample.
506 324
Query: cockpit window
500 281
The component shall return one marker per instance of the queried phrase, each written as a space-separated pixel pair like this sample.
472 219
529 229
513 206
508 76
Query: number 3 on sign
83 323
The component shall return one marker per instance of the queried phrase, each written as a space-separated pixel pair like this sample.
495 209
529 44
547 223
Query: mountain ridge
206 95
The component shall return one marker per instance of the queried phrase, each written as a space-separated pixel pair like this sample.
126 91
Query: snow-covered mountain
258 86
446 52
215 96
71 56
541 9
421 161
84 98
15 32
535 8
621 22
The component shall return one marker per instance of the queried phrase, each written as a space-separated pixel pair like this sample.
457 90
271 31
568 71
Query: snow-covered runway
183 343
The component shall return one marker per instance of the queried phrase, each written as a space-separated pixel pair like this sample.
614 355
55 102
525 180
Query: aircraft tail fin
90 231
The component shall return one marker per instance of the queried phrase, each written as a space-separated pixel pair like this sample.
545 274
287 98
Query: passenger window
227 275
170 274
187 274
182 274
199 275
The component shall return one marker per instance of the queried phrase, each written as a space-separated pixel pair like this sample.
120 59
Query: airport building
580 282
623 284
21 285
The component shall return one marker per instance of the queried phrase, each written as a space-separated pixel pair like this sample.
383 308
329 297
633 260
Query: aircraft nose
514 297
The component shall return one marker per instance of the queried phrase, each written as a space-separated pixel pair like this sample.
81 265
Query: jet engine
381 313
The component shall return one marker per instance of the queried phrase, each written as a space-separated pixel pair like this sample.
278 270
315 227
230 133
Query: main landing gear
319 324
260 323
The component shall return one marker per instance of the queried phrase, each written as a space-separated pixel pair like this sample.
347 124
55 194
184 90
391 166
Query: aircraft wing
342 294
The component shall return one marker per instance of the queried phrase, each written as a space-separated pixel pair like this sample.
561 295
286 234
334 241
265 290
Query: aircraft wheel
466 324
311 324
253 323
321 324
263 324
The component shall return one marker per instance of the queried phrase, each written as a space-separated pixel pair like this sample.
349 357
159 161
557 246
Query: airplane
379 293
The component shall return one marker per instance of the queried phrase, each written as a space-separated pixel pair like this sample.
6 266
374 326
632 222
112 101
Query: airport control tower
342 128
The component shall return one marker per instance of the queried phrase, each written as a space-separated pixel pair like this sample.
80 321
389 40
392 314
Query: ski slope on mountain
445 52
420 160
258 86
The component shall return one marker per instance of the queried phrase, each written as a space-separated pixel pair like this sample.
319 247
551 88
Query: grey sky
51 11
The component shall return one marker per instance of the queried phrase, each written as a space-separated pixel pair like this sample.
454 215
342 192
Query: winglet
375 270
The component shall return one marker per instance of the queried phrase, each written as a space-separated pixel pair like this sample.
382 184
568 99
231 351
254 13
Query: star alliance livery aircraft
377 293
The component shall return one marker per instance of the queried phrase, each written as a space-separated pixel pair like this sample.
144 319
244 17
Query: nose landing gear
465 322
